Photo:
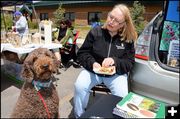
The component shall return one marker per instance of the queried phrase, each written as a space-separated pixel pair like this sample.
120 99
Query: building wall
81 12
151 11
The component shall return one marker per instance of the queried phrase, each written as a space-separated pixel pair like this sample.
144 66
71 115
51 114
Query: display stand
45 30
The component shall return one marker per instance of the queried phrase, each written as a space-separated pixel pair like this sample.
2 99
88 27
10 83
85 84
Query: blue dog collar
40 85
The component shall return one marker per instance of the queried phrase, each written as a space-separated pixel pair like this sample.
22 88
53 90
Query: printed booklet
136 106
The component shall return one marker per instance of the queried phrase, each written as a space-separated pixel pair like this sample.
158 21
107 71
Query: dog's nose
45 66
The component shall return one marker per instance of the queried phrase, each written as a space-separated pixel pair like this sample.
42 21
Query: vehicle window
169 41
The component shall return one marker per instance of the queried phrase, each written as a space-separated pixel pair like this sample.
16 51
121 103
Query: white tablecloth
27 48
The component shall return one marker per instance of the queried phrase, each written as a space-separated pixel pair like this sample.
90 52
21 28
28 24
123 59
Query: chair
68 52
68 47
100 87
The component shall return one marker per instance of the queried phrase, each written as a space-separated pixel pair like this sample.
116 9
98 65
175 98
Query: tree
7 21
59 15
137 12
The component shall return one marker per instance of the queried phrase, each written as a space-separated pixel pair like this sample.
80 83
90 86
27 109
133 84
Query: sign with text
174 49
173 54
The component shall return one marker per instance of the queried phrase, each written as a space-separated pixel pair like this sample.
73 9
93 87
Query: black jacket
99 43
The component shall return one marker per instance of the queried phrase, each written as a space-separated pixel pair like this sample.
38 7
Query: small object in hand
105 70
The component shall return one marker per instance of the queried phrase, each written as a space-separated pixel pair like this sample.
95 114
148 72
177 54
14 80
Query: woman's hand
96 65
108 62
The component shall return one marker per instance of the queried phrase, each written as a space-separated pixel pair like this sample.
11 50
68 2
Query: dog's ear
30 59
26 73
56 63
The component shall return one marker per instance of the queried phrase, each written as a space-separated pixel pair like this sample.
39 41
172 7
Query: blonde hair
128 32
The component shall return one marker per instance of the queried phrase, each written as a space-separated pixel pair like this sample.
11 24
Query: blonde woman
106 46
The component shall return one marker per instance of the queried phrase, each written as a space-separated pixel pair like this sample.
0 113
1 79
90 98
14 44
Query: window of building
70 16
44 16
94 17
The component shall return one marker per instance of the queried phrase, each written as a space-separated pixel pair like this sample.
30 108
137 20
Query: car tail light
143 43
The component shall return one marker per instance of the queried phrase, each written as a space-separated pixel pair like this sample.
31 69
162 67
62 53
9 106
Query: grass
83 30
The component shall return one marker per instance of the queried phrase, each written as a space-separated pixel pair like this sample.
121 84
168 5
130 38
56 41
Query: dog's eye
34 59
48 54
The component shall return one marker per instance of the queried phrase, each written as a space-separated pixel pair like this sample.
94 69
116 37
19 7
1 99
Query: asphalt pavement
10 90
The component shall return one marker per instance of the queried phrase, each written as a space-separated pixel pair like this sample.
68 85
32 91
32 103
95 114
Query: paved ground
10 91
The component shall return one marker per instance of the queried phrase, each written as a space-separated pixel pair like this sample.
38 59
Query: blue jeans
118 85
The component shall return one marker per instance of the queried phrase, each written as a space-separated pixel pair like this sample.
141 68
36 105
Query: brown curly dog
38 97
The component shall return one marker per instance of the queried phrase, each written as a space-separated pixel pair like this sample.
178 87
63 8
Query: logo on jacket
120 46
